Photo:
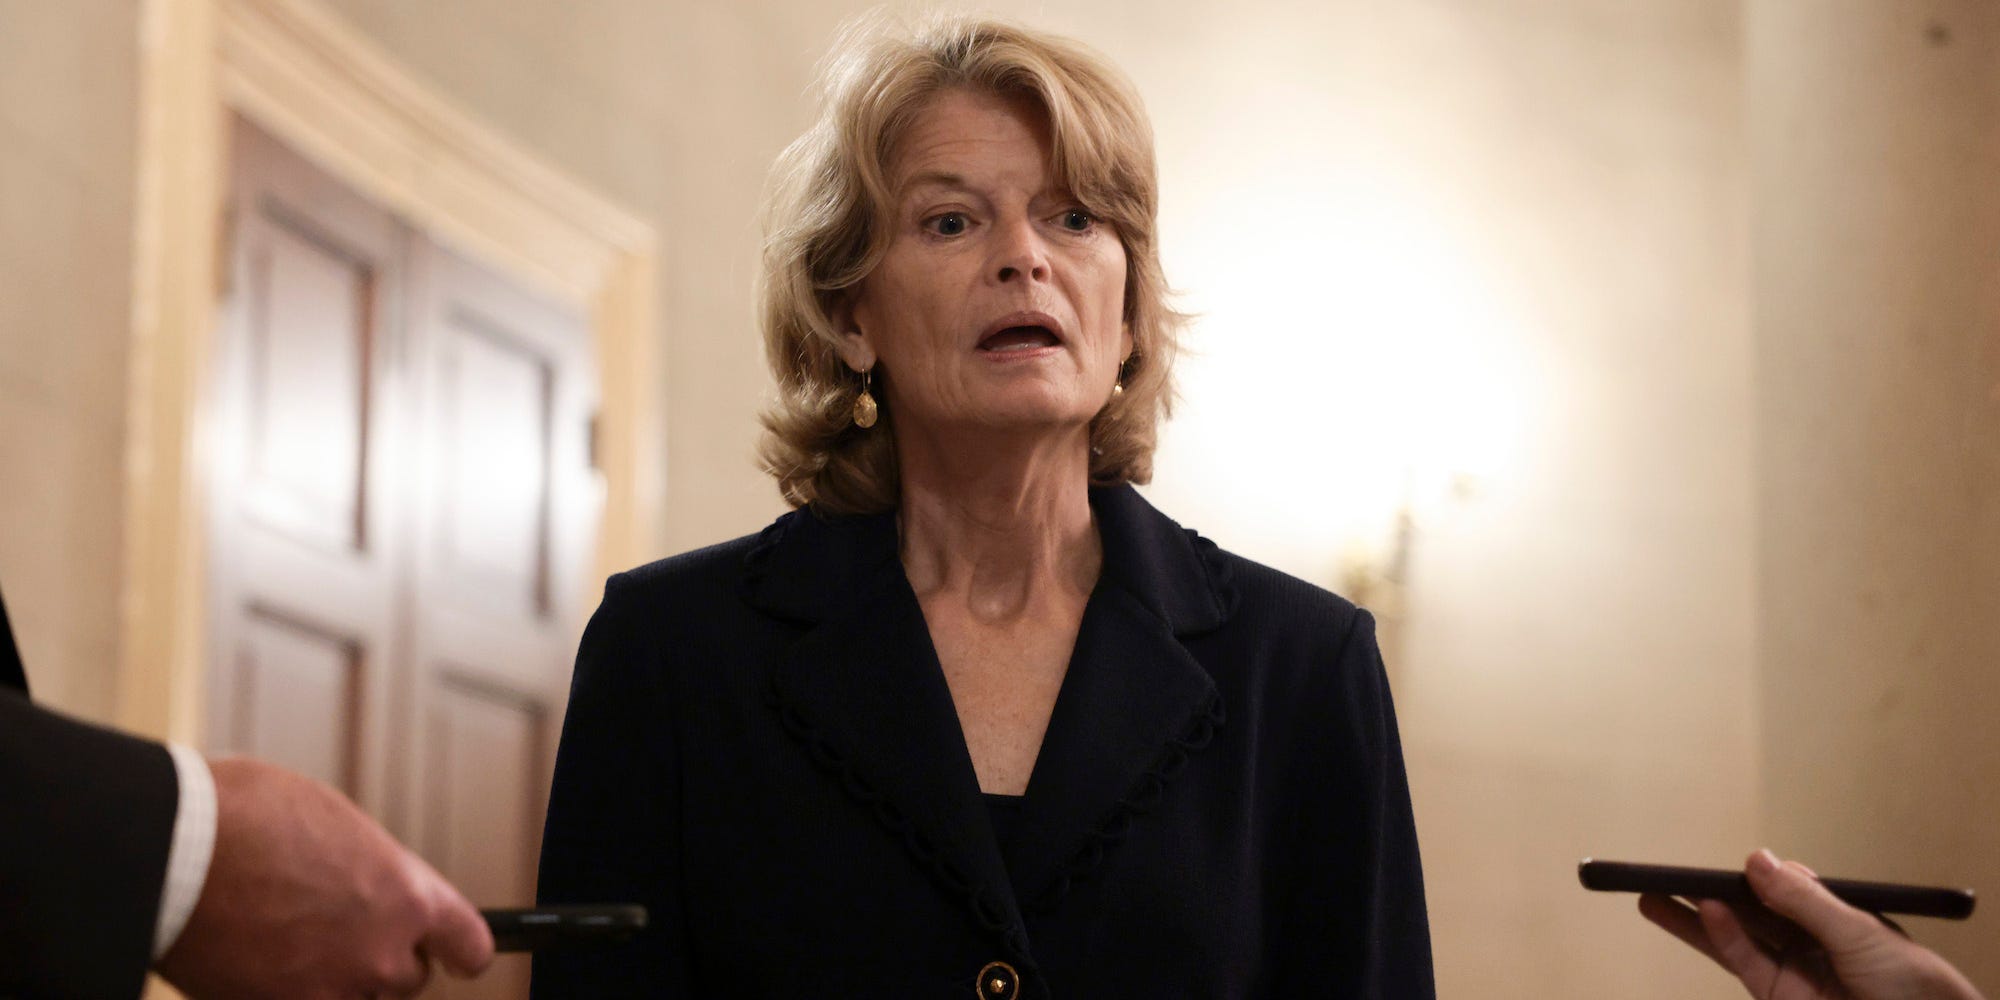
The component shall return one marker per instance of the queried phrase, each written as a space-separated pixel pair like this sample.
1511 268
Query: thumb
457 935
1796 895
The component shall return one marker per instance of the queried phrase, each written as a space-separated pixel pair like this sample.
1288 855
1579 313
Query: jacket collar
807 567
862 690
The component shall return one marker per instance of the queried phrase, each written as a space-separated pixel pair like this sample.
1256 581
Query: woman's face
1000 302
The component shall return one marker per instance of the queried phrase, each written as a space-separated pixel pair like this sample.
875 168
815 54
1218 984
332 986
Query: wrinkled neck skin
998 521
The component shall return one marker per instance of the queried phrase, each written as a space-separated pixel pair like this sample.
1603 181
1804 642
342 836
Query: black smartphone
551 926
1733 887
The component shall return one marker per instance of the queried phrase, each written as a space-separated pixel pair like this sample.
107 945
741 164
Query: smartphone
1732 887
551 926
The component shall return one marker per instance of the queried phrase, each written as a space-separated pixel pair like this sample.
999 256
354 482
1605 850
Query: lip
1027 318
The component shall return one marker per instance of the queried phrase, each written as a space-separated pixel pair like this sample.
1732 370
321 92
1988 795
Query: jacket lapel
863 692
1132 696
1133 705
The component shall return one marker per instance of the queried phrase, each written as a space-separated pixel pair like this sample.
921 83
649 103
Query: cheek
907 338
1109 290
892 308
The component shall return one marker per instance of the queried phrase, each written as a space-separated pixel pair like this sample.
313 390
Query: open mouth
1019 338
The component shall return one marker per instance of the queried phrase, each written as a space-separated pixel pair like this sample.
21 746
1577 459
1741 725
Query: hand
307 897
1850 954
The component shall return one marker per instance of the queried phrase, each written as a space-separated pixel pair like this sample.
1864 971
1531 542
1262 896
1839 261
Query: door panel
309 336
493 513
298 698
484 743
486 749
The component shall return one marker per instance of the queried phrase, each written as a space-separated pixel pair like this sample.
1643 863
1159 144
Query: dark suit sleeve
1358 908
86 819
11 674
613 833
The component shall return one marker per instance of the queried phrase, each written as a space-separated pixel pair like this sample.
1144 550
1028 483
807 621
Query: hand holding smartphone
535 928
1732 887
1781 930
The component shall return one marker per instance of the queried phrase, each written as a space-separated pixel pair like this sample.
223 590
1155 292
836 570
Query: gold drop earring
864 404
1118 387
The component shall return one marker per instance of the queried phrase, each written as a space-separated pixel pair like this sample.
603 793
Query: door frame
334 95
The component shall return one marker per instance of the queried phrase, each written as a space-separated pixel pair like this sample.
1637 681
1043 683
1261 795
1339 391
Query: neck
1004 526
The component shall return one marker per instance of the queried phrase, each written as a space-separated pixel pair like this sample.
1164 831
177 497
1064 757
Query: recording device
1733 887
560 926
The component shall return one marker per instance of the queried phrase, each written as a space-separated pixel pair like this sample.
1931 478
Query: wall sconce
1377 576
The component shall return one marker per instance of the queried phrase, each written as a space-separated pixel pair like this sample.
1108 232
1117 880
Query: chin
1026 414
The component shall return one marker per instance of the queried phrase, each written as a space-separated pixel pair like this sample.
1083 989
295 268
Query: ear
1126 345
854 346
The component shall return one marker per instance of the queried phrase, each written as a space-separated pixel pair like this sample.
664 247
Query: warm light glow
1351 359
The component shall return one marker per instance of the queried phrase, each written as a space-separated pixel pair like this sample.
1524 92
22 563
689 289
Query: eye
948 224
1076 220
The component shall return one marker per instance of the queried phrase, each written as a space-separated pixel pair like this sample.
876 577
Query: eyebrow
923 181
934 179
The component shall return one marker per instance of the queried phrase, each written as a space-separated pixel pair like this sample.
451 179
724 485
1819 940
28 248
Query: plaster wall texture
68 129
1875 131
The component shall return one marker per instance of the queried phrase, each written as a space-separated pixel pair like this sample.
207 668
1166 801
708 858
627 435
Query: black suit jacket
86 818
762 749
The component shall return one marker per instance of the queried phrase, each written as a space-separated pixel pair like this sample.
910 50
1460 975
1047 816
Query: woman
974 719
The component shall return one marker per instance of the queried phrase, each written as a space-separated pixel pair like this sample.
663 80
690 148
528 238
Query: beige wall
68 79
1576 653
1700 580
1877 215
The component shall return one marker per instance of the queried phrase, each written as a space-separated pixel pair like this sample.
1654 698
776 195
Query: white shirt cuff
193 844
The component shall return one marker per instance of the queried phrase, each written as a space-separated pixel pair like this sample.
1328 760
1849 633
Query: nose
1019 253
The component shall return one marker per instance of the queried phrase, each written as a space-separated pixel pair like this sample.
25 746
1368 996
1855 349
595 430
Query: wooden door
303 497
401 506
505 503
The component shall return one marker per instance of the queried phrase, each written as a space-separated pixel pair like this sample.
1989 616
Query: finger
1735 949
1799 897
399 975
418 977
457 935
1680 920
1771 930
1817 968
1882 919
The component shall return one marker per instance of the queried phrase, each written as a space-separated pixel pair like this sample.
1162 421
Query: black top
1004 812
761 748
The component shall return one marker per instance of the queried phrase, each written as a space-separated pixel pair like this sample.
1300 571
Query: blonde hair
824 234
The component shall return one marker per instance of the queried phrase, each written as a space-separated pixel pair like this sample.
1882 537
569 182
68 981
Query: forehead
962 137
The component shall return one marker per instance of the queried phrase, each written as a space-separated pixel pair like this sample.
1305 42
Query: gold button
998 981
